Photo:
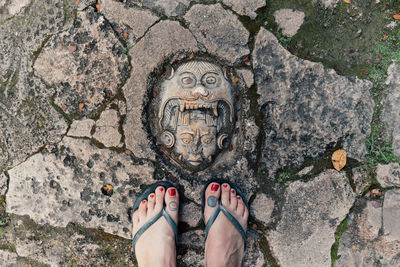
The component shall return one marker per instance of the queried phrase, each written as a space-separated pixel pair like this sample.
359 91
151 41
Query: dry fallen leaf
346 1
375 193
396 16
384 38
98 5
107 190
365 72
191 55
235 80
81 106
339 159
126 35
246 61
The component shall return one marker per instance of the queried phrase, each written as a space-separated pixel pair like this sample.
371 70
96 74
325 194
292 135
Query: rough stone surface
305 170
8 258
107 129
388 175
163 40
136 19
28 122
66 187
364 243
81 128
361 179
391 112
9 8
86 64
247 76
262 208
331 4
306 106
391 216
219 30
311 211
289 21
245 7
190 213
3 184
170 8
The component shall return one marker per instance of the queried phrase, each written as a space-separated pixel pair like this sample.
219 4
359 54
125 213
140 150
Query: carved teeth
182 107
215 110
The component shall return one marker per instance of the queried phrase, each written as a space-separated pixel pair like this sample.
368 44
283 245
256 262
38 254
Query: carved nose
200 90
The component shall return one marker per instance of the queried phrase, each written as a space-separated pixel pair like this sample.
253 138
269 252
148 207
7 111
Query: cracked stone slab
86 64
364 243
8 258
9 8
306 107
247 76
311 212
219 30
106 130
391 216
163 40
289 21
388 175
245 7
391 111
66 187
137 20
262 208
81 128
28 122
171 8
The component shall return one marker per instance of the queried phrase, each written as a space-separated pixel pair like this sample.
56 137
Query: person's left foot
156 246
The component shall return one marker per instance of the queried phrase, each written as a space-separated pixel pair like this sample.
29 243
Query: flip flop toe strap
151 222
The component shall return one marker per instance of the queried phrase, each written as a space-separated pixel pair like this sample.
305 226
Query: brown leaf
191 56
346 1
246 61
384 38
81 106
107 190
72 48
98 5
380 56
3 203
339 159
396 16
235 80
126 35
365 72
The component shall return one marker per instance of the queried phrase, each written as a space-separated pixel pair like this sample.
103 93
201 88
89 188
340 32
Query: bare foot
156 246
224 244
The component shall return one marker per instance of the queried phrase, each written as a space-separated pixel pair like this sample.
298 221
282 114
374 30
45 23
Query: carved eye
187 141
211 80
188 80
207 141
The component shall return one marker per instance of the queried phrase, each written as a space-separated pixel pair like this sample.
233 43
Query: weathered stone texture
247 76
190 213
331 4
9 8
311 211
163 40
219 30
372 236
8 258
245 7
361 179
388 175
3 183
138 20
86 64
262 208
289 21
81 128
391 107
306 107
171 8
66 187
107 129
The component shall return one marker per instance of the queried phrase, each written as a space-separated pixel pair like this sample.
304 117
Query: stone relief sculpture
195 113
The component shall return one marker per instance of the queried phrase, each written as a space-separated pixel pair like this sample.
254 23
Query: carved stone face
195 112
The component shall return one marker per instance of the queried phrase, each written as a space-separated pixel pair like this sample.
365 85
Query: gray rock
28 122
163 40
306 107
171 8
289 21
247 76
388 175
81 128
390 112
262 208
219 30
86 65
190 213
107 129
245 7
3 183
138 20
361 179
67 187
9 8
364 243
8 258
391 216
305 170
310 214
331 4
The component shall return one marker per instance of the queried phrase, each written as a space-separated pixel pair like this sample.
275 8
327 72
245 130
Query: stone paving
76 87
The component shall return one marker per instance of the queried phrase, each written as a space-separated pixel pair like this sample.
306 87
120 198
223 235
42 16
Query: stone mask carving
195 112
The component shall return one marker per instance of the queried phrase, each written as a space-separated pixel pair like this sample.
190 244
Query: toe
135 218
172 203
225 195
240 206
212 196
143 210
233 199
151 202
159 199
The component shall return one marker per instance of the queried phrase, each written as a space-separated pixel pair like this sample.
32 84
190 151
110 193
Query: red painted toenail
214 187
238 197
152 195
161 189
171 192
233 191
225 185
143 201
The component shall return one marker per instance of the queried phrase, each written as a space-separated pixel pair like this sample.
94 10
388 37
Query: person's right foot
224 245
